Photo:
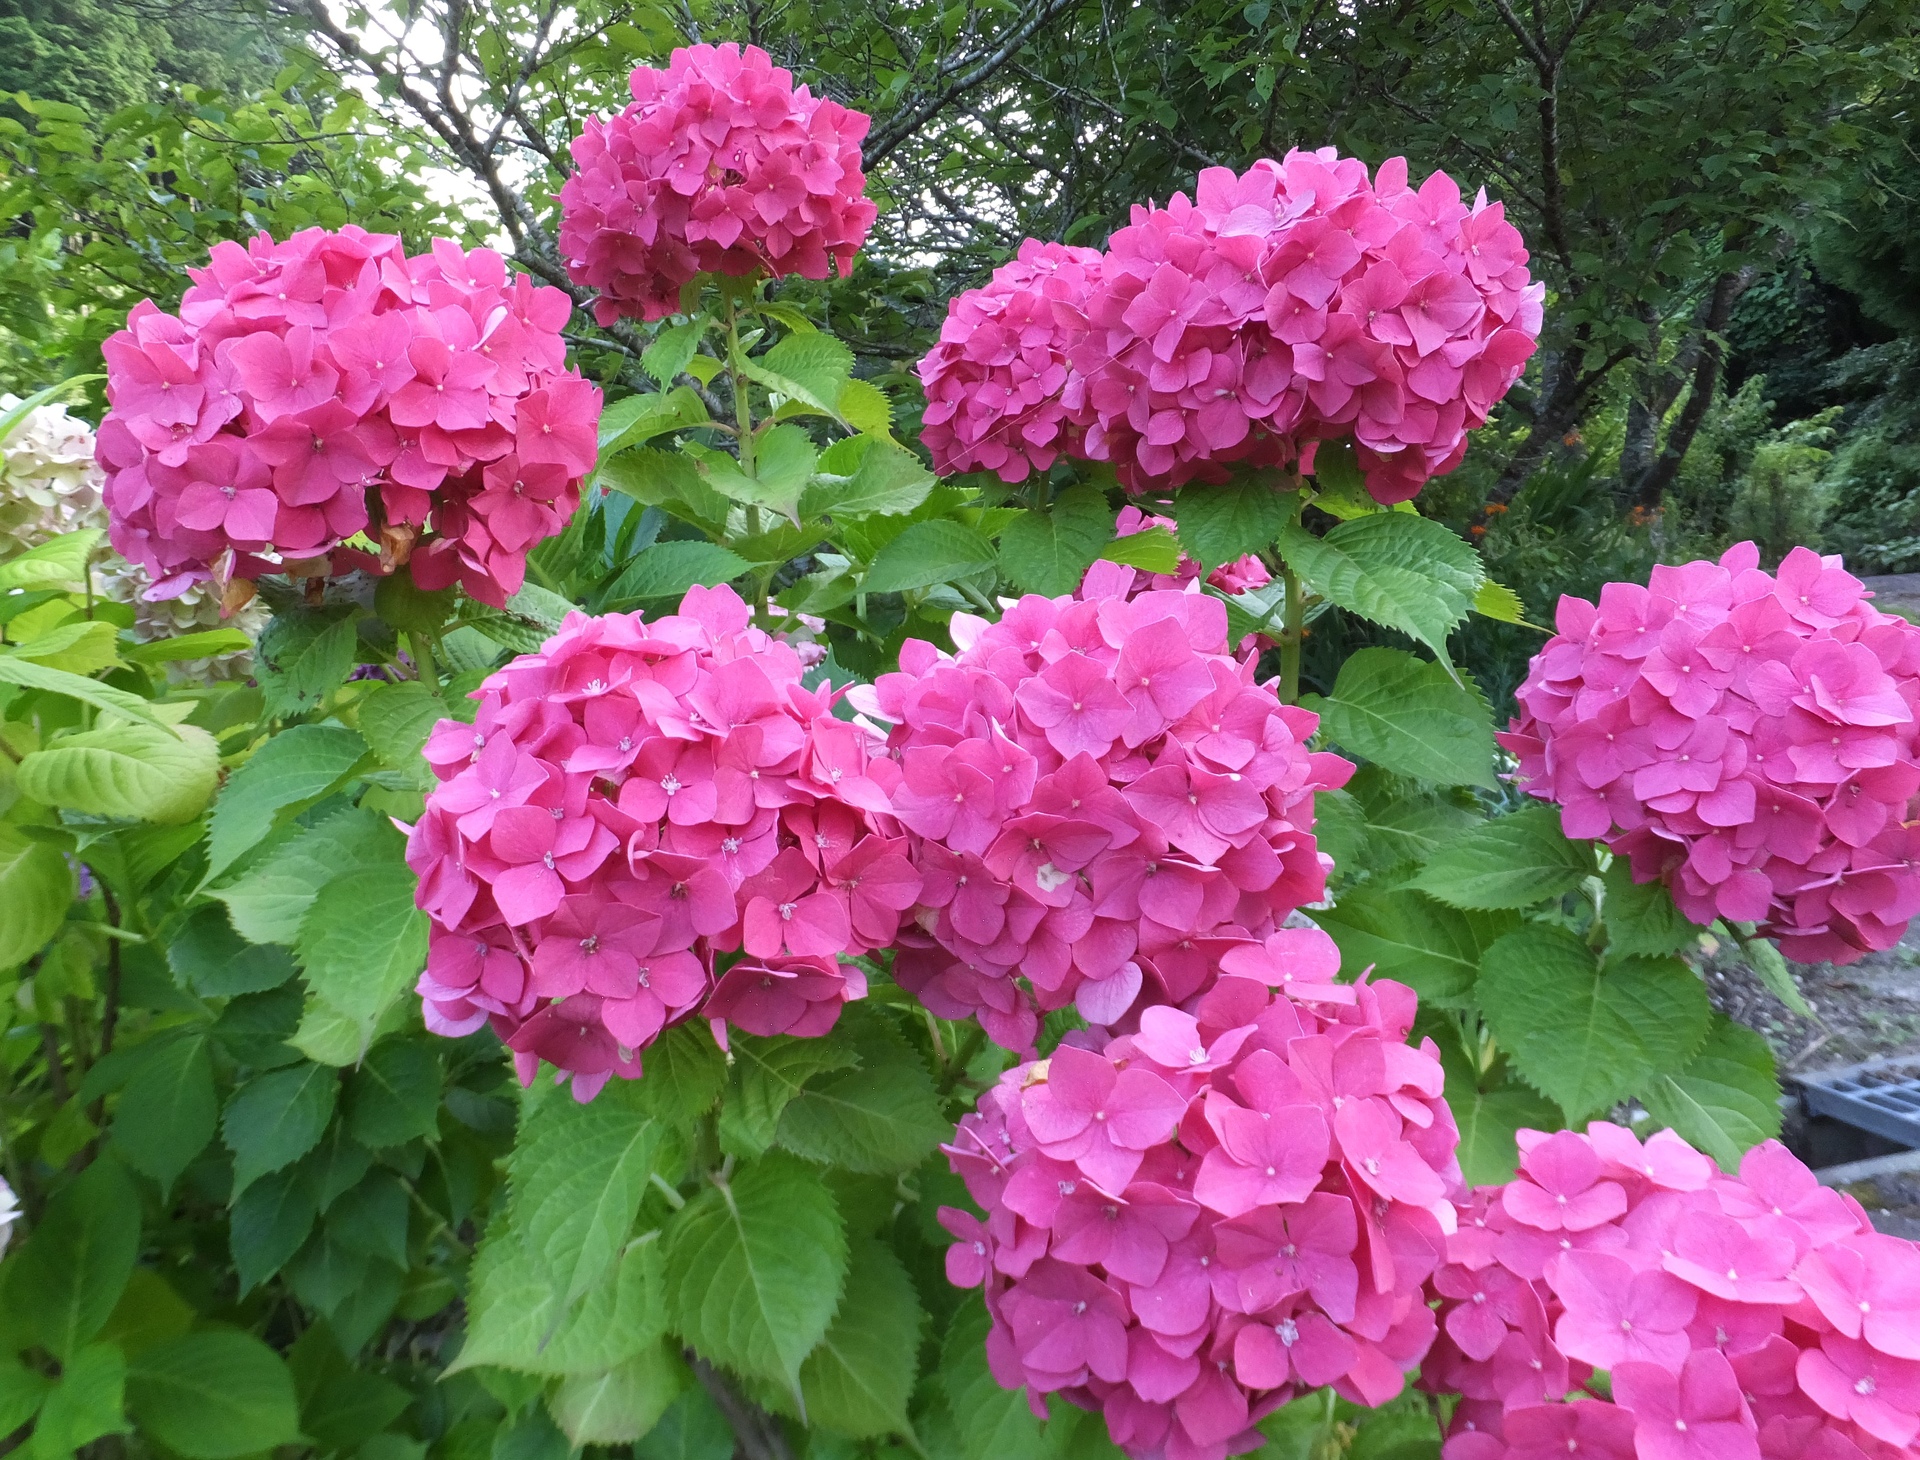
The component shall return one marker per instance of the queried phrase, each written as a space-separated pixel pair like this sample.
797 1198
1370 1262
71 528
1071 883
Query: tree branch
757 1432
904 123
1654 482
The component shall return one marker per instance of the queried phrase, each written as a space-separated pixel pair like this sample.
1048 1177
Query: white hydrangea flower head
49 481
9 1214
50 484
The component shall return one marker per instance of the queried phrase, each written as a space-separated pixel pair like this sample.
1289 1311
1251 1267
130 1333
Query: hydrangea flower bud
329 386
1748 738
636 810
720 165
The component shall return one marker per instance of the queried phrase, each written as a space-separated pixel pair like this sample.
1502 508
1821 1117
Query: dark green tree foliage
102 56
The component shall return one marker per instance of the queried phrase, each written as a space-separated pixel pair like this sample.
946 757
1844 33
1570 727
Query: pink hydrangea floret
1749 738
720 165
1298 302
650 821
331 388
1239 1202
1736 1317
1098 798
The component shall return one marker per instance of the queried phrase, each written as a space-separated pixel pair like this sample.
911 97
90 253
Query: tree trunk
1705 353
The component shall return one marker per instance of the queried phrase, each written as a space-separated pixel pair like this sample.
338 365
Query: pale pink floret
1750 739
594 876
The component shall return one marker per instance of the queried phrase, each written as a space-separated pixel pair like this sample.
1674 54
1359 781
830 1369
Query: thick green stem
742 415
1293 625
422 649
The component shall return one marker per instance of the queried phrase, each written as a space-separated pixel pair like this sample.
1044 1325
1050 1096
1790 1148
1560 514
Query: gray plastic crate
1882 1096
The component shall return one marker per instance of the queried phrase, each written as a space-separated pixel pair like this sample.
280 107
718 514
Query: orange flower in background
1477 530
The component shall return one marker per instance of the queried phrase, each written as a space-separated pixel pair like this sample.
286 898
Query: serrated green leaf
59 562
394 1096
991 1423
214 1395
65 1280
372 1218
1771 968
28 675
214 961
1500 603
669 480
755 1267
1154 550
1401 571
1727 1097
882 1116
578 1175
36 885
396 719
268 1224
866 408
1487 1121
887 481
207 644
297 766
1339 486
1641 917
767 1074
275 1119
620 1405
692 1429
859 1378
168 1111
363 944
669 569
810 368
666 358
516 1319
783 461
268 902
304 656
126 771
685 1074
1219 523
87 1403
78 648
926 553
1434 949
1513 861
1049 552
1583 1037
1412 717
22 1390
639 418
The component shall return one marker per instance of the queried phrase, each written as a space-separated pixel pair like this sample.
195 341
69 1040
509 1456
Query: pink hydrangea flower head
1179 1233
1297 302
719 165
1749 739
1102 803
330 385
647 822
995 381
1739 1316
